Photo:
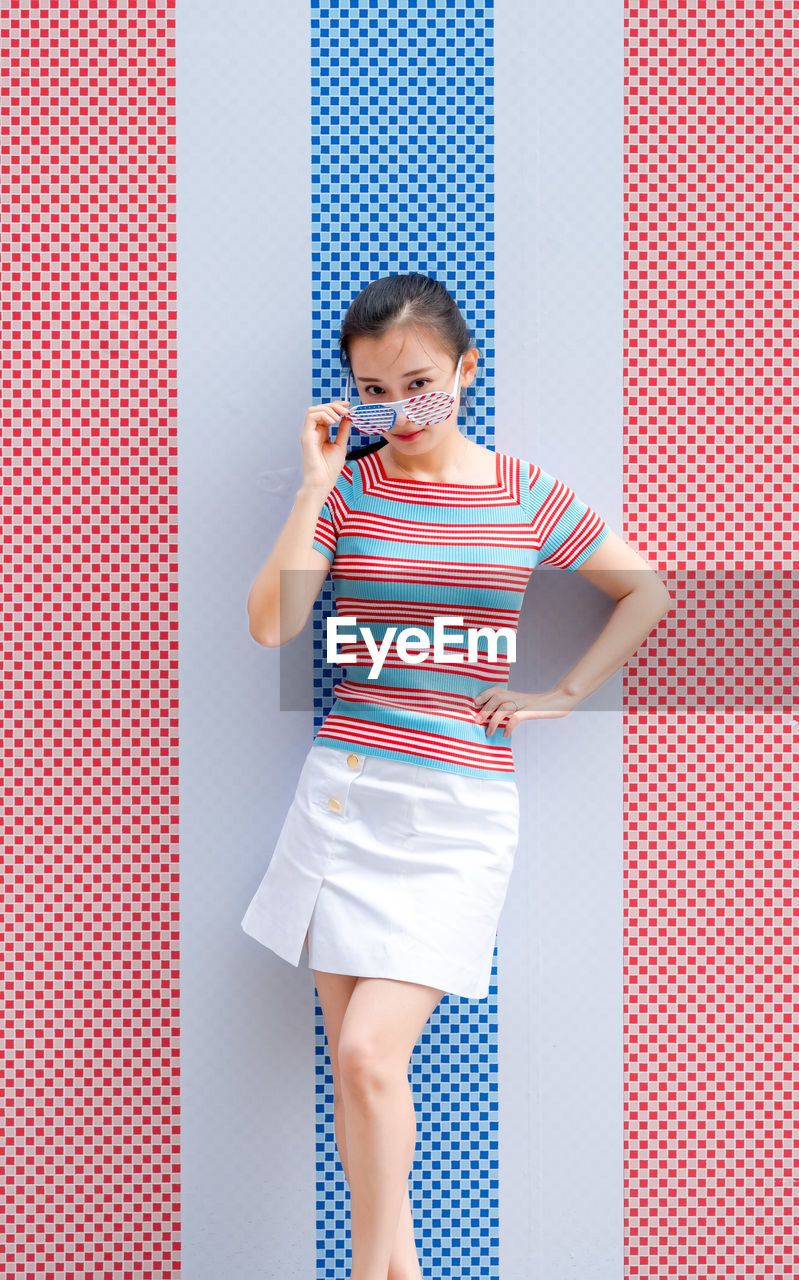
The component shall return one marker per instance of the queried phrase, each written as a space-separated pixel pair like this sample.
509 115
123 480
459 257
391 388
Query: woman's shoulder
507 465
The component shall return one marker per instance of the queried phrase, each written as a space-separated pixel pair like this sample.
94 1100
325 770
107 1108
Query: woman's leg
383 1020
334 990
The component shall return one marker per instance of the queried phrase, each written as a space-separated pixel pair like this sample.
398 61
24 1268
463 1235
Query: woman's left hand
496 704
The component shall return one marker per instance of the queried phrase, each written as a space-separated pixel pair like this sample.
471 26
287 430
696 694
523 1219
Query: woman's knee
367 1069
380 1027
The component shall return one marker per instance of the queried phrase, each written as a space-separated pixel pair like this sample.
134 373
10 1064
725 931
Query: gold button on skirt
393 870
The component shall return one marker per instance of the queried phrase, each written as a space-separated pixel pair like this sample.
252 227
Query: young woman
393 862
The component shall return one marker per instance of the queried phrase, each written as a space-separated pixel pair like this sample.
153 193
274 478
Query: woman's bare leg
335 991
381 1025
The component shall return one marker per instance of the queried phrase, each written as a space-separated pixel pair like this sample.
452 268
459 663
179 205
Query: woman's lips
410 435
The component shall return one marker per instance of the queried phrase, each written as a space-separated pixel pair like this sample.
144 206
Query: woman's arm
642 600
276 618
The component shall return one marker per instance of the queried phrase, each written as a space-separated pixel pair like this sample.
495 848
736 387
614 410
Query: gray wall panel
559 235
244 329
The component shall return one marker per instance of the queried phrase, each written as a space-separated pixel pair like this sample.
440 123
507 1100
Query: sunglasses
424 410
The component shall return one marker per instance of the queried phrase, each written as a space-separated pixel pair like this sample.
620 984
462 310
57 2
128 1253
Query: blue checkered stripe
402 180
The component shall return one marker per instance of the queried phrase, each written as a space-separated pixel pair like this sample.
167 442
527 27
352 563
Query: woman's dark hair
414 300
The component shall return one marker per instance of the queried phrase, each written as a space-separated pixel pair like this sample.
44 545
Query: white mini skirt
386 869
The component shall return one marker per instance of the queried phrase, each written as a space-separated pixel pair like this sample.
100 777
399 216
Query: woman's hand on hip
497 704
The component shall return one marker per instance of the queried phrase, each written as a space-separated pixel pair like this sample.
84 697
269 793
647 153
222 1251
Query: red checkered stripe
90 1072
710 467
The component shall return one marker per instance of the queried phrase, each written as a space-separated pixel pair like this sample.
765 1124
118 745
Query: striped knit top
404 552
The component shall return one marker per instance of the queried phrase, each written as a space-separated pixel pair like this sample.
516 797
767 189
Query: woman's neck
447 467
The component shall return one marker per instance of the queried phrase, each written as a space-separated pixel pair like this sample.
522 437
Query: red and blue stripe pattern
403 552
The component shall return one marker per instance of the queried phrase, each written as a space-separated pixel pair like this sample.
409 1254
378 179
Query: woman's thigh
334 991
384 1018
382 1022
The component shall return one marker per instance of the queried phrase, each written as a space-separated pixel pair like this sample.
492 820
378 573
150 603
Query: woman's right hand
323 458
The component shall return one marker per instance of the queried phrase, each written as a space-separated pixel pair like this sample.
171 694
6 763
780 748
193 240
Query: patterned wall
90 1065
710 484
90 1094
397 188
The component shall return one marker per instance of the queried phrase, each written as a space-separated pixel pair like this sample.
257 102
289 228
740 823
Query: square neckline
438 484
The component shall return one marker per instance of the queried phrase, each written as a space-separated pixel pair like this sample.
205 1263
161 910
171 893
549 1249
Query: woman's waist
421 699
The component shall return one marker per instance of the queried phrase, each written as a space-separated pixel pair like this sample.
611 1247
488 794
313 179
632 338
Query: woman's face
401 364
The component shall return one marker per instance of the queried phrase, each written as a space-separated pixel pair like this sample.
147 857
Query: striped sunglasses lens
424 410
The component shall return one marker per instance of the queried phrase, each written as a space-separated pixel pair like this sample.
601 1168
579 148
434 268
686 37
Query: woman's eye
378 391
